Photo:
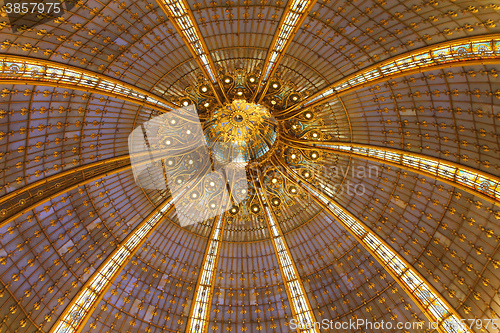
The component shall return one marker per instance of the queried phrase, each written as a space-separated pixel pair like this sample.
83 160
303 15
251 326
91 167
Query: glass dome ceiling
406 89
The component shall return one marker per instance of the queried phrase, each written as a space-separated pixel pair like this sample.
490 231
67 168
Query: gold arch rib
182 18
29 197
477 50
294 15
426 297
200 308
35 186
297 297
27 70
476 182
81 307
24 199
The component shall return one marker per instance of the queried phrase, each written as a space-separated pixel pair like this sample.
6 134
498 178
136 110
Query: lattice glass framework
179 13
429 300
17 68
73 318
289 24
301 308
200 311
482 183
474 48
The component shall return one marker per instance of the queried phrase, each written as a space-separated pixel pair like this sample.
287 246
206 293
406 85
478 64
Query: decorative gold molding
426 297
476 182
62 174
294 286
16 69
56 193
200 307
470 51
294 15
182 18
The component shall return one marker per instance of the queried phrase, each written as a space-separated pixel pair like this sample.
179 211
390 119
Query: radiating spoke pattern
18 69
474 181
426 297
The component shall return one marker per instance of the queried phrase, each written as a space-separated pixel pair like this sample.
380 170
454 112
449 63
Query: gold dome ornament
241 132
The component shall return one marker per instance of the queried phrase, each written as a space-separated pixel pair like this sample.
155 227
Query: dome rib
290 23
28 70
79 310
199 311
37 193
481 184
182 18
294 286
477 50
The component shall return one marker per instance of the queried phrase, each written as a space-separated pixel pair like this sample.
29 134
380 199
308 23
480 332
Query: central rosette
240 132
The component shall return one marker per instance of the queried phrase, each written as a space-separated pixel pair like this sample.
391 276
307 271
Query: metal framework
27 315
26 70
477 50
36 186
80 309
476 182
202 301
426 297
183 20
299 302
291 20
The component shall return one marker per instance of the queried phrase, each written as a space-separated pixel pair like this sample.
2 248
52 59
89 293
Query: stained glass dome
370 135
241 132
